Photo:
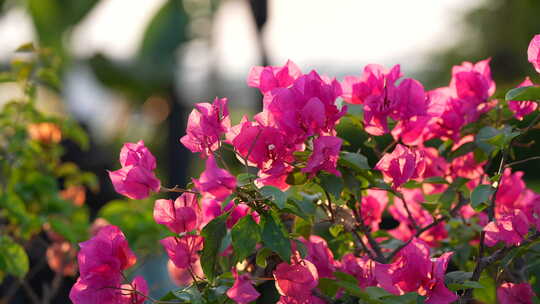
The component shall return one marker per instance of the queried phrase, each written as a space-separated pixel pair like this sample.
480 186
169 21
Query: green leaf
170 296
245 236
296 178
480 197
355 161
213 234
261 257
277 196
245 178
332 184
275 239
336 229
462 150
13 258
435 180
524 93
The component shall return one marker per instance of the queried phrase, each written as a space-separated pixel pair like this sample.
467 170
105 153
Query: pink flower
522 108
134 182
211 208
242 292
361 268
106 254
465 165
307 108
510 293
99 291
401 165
308 300
137 155
413 270
268 78
472 82
325 155
436 166
320 255
214 181
206 123
179 216
533 53
182 276
509 228
372 207
371 84
509 193
296 280
101 262
137 295
183 250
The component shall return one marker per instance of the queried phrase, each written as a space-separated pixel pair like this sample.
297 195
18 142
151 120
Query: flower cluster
323 236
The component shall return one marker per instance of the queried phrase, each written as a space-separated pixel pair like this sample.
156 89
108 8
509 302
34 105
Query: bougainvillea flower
263 146
533 53
206 124
134 182
138 155
522 108
472 82
308 300
214 181
183 250
509 228
182 276
401 165
307 108
510 293
242 292
325 155
101 262
361 268
414 271
210 208
296 280
371 84
267 78
511 189
372 207
436 166
434 289
138 294
320 255
106 254
104 291
179 216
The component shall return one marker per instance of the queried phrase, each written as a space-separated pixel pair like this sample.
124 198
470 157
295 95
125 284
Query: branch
521 161
487 261
461 203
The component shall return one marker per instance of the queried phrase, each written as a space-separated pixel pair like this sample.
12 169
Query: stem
177 189
454 210
521 161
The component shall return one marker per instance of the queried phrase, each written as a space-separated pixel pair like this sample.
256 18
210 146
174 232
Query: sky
338 33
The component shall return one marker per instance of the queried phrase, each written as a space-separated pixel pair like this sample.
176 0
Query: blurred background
132 69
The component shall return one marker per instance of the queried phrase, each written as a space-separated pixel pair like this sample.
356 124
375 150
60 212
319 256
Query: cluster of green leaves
32 173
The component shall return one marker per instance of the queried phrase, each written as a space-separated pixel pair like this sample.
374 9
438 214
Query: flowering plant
305 222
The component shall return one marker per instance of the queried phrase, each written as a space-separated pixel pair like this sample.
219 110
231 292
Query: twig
454 210
521 161
177 189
